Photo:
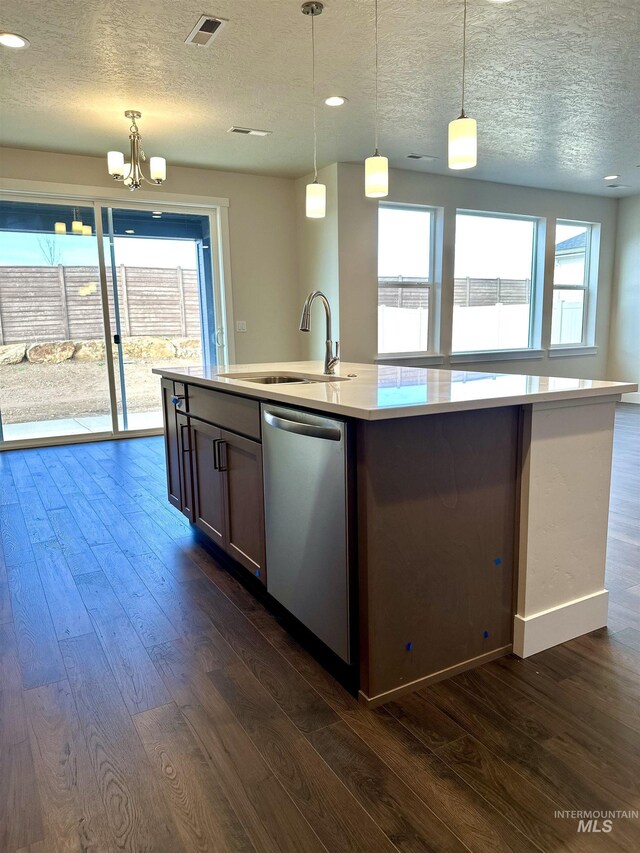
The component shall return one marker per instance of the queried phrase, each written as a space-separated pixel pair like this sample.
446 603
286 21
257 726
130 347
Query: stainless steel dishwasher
306 511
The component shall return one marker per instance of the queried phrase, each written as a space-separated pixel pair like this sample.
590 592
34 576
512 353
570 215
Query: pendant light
316 195
130 173
463 131
376 168
76 223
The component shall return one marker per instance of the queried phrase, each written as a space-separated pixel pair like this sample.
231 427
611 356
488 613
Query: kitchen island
414 522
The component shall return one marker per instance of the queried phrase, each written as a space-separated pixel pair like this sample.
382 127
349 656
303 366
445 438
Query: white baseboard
532 634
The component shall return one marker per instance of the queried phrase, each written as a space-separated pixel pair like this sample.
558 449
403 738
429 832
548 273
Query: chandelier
130 173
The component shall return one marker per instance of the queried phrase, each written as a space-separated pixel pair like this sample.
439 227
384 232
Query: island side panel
567 452
437 512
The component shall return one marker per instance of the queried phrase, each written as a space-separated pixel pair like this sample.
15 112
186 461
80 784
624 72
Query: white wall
624 340
262 226
357 227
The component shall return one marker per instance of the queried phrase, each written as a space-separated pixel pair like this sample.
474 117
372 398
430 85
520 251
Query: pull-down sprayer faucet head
331 358
305 317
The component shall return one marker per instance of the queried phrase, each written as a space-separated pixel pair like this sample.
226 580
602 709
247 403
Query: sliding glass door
53 376
159 266
81 329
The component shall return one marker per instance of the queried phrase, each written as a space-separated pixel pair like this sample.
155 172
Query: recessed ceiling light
611 177
156 213
156 216
13 40
335 101
130 231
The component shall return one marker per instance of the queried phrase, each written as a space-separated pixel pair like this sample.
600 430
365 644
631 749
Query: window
494 271
405 278
571 283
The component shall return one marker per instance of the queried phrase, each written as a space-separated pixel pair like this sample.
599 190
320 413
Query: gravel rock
12 353
147 348
89 351
188 348
52 352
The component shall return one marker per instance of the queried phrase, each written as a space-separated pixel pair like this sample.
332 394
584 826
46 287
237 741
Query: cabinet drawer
229 411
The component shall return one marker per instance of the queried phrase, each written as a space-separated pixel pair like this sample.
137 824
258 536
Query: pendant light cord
313 78
464 52
376 64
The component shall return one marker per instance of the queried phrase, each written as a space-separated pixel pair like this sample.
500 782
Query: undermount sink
282 378
273 380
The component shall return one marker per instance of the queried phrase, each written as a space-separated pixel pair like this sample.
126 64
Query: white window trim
496 355
533 350
569 350
589 287
428 284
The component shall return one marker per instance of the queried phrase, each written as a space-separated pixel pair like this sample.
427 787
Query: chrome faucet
330 360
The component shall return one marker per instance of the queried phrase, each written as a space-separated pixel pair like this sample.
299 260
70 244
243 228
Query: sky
28 249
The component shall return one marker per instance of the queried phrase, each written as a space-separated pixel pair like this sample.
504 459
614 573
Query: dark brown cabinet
208 481
172 449
184 466
241 464
214 476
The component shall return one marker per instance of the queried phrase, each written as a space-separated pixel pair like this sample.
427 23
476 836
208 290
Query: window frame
537 273
585 287
413 281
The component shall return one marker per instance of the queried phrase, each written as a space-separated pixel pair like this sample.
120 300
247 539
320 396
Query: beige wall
357 227
318 261
262 227
624 341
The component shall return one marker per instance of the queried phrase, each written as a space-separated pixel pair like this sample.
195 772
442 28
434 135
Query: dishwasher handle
301 428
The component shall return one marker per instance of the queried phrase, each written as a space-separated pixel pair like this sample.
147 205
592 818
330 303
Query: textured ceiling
554 84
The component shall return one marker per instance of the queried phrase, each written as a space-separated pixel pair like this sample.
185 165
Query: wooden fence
467 292
63 303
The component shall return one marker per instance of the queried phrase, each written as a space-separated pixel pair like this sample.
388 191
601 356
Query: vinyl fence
63 303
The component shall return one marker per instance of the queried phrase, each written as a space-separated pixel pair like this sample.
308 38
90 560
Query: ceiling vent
421 157
205 31
249 131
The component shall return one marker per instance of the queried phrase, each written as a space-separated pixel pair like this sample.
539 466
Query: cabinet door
241 461
172 447
185 448
208 481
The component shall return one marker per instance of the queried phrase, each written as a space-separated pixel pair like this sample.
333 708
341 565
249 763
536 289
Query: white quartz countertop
377 392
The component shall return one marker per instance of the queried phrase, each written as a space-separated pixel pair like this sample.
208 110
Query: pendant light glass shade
115 163
158 169
376 176
316 201
60 228
76 226
463 143
87 230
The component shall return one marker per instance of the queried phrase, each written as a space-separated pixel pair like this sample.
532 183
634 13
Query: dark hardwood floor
149 703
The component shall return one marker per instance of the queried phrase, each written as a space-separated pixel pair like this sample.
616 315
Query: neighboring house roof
579 241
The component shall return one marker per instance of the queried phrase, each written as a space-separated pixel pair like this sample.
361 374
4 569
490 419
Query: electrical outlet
241 325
